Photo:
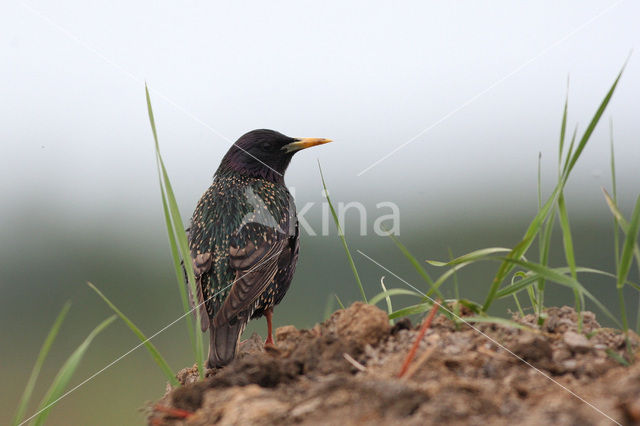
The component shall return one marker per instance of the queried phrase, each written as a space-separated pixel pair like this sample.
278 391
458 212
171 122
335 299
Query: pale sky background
370 75
79 197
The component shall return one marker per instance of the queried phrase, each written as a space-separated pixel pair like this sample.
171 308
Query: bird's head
264 153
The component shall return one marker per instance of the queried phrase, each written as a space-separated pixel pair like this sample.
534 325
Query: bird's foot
269 341
272 350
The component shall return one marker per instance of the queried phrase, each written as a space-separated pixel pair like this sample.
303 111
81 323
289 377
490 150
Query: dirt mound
344 370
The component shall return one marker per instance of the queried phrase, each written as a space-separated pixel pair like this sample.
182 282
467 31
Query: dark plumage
244 238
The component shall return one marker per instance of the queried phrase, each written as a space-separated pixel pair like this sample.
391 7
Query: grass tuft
62 379
531 277
179 245
42 355
534 227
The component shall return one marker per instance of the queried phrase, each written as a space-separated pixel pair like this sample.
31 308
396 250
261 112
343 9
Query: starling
244 239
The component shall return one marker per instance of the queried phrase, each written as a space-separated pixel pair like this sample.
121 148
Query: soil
344 372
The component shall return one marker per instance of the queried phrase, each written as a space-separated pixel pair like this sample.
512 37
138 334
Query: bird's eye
267 146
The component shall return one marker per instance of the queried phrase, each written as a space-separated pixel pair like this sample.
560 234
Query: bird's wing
255 266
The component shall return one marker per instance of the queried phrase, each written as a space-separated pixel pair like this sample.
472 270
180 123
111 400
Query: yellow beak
302 143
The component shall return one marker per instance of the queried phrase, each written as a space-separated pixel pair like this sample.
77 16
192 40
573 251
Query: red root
425 325
173 412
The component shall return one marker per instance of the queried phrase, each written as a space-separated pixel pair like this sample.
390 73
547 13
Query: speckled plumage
225 218
244 239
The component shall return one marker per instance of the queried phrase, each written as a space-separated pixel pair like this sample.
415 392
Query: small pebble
561 354
576 342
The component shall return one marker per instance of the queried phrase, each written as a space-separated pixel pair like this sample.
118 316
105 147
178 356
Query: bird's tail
223 343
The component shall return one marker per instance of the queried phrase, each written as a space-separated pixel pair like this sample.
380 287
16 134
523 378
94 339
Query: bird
244 239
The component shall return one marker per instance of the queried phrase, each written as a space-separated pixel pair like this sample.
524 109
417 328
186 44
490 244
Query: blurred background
78 182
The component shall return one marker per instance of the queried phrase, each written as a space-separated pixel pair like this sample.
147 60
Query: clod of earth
465 379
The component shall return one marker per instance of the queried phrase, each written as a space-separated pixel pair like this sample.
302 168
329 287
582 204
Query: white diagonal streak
493 85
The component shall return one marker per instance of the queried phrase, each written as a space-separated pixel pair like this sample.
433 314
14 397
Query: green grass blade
544 238
539 180
570 150
494 320
416 264
517 286
387 298
534 227
617 357
472 256
178 225
616 243
411 310
629 244
566 235
534 303
442 278
456 290
518 251
594 122
393 292
613 207
537 300
563 128
623 308
567 242
517 302
328 307
62 379
153 351
638 317
342 237
624 225
42 355
339 302
559 278
182 289
472 306
177 228
599 272
467 259
545 249
616 234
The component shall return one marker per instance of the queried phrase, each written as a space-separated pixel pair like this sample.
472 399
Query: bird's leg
269 314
